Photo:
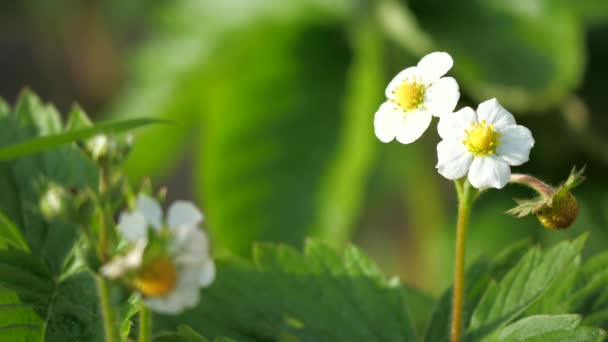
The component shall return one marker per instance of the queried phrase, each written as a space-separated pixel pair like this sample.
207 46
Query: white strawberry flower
414 96
482 144
169 280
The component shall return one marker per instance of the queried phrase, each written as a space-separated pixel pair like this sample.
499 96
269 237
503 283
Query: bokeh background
274 102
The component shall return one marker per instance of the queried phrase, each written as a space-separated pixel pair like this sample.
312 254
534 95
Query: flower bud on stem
555 208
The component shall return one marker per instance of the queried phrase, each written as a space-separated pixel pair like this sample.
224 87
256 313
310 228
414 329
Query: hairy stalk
542 188
109 322
144 324
466 196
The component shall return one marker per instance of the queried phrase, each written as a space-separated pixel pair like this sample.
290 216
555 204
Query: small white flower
414 96
169 281
482 144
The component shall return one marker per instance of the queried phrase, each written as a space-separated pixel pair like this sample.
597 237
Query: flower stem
144 324
543 189
466 196
107 310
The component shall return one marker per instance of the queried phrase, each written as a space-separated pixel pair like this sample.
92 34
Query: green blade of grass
51 141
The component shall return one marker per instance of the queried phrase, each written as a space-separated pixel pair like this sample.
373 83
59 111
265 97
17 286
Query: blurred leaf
35 145
168 75
270 158
528 54
344 185
521 286
64 310
548 328
285 295
10 234
18 322
279 115
22 180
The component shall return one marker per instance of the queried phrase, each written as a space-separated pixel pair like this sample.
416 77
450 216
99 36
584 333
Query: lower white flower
482 145
169 278
414 96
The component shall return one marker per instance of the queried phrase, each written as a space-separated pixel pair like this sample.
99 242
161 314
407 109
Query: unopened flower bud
54 202
555 208
109 150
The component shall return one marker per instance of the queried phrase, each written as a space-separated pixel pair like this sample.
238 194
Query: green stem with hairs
109 322
466 196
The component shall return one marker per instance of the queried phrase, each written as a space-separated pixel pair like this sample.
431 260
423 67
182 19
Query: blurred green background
274 104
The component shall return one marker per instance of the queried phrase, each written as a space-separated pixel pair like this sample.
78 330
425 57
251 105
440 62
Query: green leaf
10 234
23 179
18 321
64 310
521 286
496 45
35 145
271 160
284 295
553 328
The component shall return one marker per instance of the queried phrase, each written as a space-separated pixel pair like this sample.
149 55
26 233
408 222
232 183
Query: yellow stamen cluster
409 95
482 139
156 278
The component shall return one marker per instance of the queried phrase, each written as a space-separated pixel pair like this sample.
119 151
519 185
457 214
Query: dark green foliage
317 296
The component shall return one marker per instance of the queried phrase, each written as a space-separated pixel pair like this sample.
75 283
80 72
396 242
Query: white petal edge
515 144
452 126
413 126
183 213
489 172
207 273
435 65
133 226
453 159
189 245
495 114
387 121
150 209
411 74
442 96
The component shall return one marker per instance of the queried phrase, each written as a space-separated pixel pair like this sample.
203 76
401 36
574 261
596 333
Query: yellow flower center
482 139
409 95
156 279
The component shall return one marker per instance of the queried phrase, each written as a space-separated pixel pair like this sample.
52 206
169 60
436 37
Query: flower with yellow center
169 280
482 145
414 96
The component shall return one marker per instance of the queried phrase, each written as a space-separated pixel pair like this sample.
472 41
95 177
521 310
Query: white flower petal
150 209
123 264
489 172
113 269
441 96
189 245
410 74
454 159
133 226
413 126
452 126
515 144
387 121
183 213
435 65
207 273
495 114
184 296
